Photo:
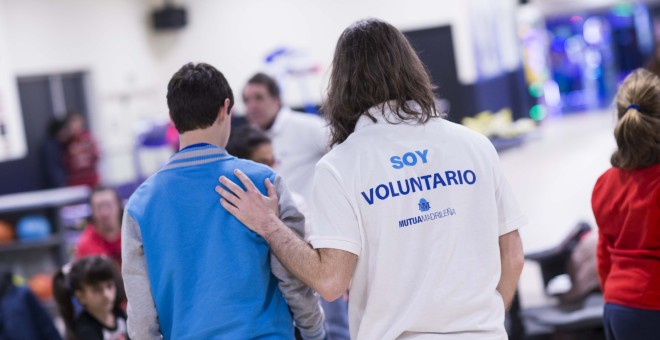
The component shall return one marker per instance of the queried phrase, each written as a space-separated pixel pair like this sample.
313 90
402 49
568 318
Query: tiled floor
552 176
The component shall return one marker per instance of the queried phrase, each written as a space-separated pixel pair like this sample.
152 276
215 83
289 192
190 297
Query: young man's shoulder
141 190
251 168
226 167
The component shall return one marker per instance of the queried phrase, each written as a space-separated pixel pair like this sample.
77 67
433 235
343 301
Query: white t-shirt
299 141
423 207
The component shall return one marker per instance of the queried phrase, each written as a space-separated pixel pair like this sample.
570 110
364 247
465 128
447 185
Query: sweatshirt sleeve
302 300
142 321
603 259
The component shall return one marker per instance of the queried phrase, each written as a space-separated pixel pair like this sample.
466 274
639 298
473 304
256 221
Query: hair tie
634 106
66 270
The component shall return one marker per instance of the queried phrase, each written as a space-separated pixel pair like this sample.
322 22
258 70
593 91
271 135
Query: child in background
102 235
96 284
626 204
247 142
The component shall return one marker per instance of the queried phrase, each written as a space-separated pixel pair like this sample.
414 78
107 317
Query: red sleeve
604 260
602 253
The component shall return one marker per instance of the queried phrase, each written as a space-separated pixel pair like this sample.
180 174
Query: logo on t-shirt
426 216
424 205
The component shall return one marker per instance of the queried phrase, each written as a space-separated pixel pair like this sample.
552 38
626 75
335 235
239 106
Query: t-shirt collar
385 115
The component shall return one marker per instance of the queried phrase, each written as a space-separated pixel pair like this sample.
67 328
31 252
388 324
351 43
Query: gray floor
552 176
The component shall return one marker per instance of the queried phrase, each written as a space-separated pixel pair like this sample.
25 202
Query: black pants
623 323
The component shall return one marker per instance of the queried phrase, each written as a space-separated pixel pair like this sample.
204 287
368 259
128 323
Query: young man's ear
224 110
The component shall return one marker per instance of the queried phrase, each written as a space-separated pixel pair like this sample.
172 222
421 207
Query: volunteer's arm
302 300
326 270
512 259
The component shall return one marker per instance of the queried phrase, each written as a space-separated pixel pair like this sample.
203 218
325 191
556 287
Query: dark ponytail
63 296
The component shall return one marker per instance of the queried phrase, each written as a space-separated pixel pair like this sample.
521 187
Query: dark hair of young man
195 95
268 82
244 140
374 64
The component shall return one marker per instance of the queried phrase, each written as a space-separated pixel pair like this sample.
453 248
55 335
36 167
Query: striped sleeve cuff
336 243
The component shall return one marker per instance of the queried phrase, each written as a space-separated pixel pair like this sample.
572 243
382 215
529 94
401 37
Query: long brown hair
637 131
374 64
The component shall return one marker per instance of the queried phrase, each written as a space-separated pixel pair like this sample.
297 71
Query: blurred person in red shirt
80 153
102 236
626 204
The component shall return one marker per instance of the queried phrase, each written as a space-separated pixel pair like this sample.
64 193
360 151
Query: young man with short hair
191 270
